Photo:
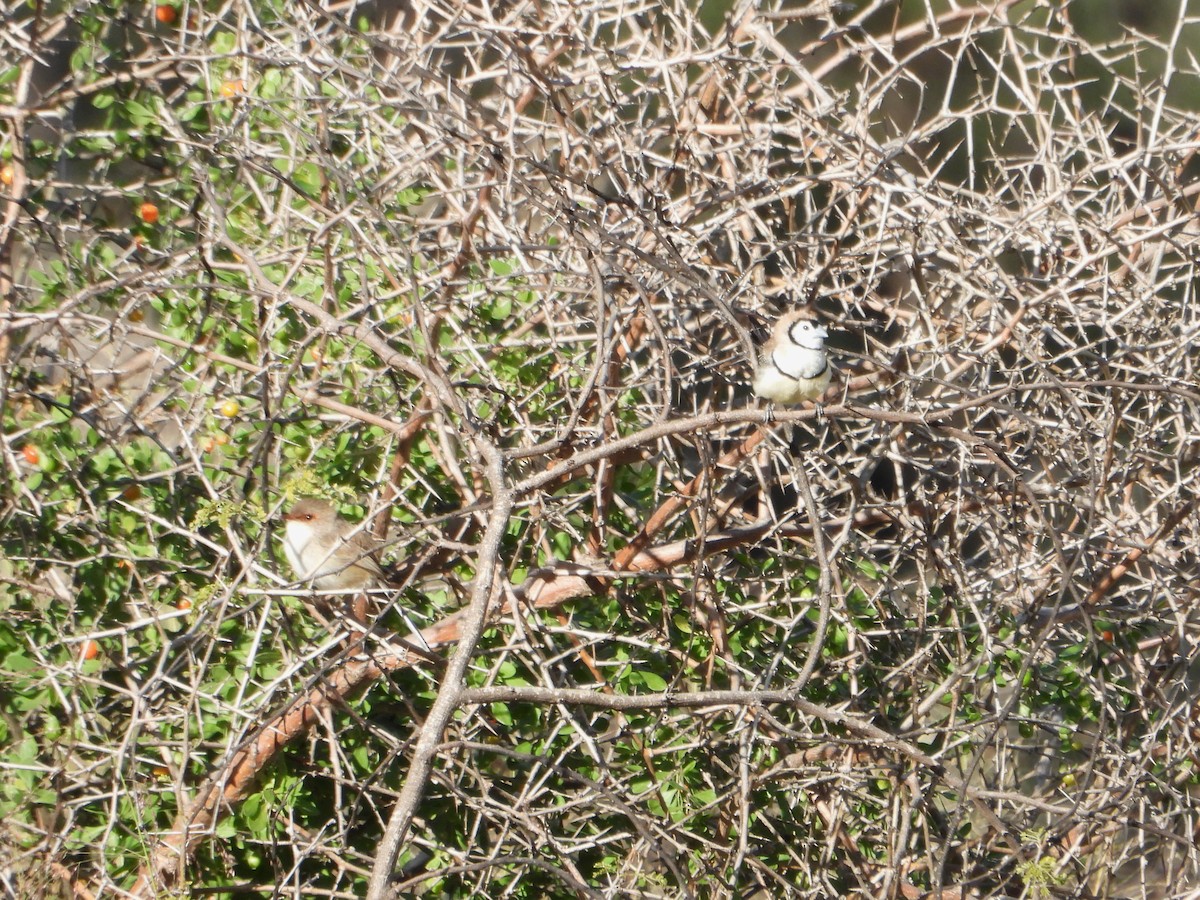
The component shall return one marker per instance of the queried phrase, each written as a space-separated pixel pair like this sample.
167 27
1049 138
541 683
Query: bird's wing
368 553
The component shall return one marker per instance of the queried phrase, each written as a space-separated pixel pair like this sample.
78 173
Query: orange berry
184 604
7 175
1106 636
166 13
221 438
208 445
149 213
132 492
30 452
230 89
89 650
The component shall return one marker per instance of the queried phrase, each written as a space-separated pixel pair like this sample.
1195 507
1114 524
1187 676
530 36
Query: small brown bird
327 550
793 366
333 554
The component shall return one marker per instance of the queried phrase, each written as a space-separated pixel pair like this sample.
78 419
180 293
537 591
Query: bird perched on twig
331 552
793 366
335 555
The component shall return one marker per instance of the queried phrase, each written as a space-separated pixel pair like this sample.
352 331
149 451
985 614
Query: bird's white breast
799 362
296 538
792 374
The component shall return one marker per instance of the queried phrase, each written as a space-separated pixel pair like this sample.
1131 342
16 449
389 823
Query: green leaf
653 681
139 115
222 43
308 178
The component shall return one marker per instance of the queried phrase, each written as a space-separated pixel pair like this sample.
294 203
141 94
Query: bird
333 554
793 366
328 550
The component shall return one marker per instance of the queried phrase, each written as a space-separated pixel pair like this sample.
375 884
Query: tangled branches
492 275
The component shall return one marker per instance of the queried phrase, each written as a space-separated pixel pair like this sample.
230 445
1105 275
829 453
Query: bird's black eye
308 516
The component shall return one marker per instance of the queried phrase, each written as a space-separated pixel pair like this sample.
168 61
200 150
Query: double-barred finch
793 366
